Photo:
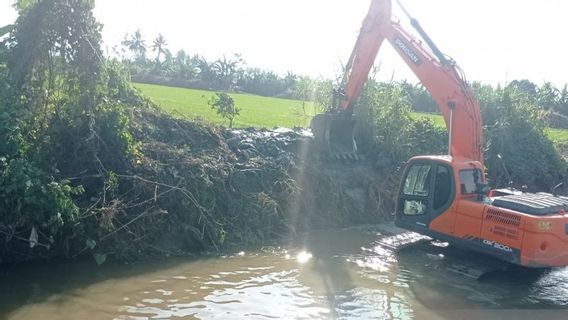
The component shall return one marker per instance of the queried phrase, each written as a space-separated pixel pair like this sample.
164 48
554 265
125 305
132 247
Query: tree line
229 73
549 99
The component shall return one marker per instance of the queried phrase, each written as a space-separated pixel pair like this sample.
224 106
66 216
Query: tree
563 101
266 82
289 82
324 95
225 106
167 66
420 99
226 71
183 66
136 44
23 5
304 90
55 58
547 96
207 73
524 86
49 117
159 45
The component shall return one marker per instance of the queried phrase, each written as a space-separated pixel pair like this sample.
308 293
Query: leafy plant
386 128
31 198
62 115
225 106
515 130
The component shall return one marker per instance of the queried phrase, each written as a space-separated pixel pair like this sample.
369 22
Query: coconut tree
136 44
226 70
183 66
159 45
547 96
207 73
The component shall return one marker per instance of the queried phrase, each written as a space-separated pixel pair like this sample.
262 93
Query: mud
216 187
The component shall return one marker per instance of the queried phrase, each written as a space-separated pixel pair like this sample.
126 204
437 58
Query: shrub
225 106
515 130
387 129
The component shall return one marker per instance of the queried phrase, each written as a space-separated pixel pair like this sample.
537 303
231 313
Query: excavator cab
427 191
448 199
334 133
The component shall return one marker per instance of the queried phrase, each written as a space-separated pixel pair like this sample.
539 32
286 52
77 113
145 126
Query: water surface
342 274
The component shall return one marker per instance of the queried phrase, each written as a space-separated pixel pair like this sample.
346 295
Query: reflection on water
346 274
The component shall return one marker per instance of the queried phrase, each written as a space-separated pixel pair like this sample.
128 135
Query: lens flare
303 257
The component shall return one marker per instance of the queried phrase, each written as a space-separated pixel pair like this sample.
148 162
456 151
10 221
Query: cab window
469 180
417 181
442 187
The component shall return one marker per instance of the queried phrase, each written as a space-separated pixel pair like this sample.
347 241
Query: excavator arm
439 76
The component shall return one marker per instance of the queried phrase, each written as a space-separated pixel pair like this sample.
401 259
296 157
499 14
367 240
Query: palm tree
136 44
227 70
183 66
547 96
290 81
206 70
159 45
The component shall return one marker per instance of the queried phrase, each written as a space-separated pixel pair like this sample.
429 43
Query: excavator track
452 259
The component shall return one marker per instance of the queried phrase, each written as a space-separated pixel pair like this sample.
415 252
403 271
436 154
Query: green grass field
558 135
437 119
258 111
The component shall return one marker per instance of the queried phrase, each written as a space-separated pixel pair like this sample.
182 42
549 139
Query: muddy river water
340 274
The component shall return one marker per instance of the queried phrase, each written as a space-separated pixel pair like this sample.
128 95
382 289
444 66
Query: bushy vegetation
61 115
389 131
88 166
515 130
225 107
550 101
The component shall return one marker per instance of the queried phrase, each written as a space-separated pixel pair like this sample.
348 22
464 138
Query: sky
494 41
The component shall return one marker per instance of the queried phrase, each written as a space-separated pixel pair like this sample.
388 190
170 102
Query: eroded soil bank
252 186
194 188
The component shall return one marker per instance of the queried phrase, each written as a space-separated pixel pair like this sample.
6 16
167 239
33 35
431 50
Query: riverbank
193 187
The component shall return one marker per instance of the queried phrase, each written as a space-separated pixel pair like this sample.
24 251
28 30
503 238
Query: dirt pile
197 187
188 187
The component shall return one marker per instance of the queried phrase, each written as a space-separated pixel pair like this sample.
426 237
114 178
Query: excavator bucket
334 133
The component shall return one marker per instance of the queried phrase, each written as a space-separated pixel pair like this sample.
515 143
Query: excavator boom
439 75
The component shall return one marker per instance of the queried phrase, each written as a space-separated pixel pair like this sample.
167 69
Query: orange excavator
447 197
